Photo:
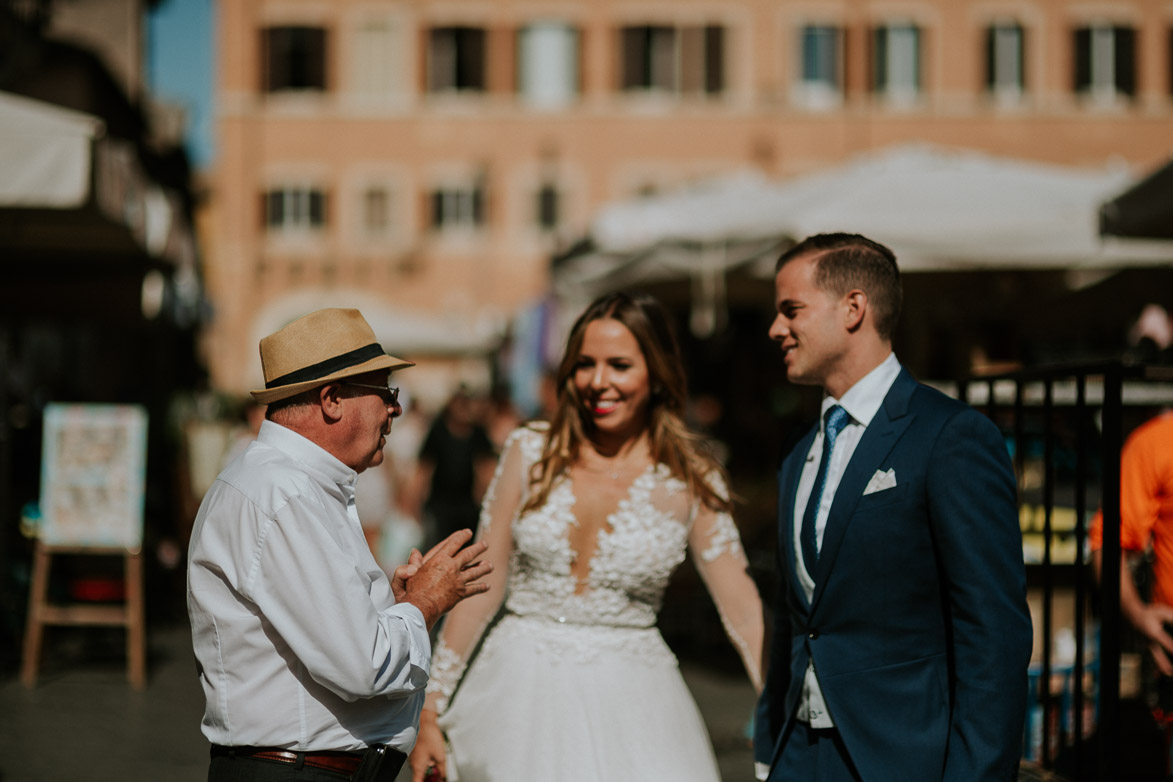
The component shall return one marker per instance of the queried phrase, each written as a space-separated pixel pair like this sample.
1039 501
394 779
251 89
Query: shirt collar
309 453
863 399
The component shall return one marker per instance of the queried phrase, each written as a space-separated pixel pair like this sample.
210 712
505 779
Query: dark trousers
814 755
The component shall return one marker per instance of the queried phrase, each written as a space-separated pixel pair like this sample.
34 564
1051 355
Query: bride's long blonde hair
669 438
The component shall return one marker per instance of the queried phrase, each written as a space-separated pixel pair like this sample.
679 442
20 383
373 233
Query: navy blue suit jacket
918 627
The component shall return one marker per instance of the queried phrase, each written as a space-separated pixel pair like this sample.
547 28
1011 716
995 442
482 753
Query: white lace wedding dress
574 681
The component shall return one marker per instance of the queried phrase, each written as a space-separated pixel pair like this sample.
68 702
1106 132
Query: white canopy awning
937 208
951 209
77 189
45 153
402 331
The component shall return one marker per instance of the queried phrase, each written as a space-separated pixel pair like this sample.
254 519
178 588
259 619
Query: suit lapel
787 487
878 439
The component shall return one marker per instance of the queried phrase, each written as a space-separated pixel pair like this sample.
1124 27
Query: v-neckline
606 528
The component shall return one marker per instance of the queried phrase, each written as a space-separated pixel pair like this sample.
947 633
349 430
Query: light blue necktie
836 419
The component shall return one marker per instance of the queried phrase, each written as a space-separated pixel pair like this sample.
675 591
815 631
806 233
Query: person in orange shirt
1146 519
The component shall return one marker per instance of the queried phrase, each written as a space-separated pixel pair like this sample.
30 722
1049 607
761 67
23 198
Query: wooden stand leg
35 623
130 614
136 645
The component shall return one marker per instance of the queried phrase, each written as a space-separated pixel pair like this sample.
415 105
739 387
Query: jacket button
813 635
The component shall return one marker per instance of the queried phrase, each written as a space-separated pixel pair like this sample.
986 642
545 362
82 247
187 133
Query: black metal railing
1061 455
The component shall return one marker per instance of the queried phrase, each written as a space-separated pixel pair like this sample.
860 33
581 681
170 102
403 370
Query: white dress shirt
298 639
861 402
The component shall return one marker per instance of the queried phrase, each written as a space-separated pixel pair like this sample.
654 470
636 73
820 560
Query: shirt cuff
420 643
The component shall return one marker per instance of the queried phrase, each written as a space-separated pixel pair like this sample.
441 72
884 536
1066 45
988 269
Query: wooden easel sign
93 478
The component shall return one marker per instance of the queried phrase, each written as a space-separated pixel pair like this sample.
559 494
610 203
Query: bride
586 519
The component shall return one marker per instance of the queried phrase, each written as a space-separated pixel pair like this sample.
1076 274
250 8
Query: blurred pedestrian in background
1151 336
587 518
252 415
455 465
501 416
310 658
399 528
1146 553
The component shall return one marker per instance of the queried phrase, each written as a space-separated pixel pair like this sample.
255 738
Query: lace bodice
644 540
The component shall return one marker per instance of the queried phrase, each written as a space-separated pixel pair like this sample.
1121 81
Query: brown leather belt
342 762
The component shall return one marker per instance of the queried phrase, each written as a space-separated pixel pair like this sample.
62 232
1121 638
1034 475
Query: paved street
83 721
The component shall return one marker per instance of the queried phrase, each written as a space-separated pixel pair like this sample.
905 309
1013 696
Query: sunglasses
389 394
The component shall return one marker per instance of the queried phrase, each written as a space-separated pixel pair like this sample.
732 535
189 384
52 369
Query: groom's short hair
845 261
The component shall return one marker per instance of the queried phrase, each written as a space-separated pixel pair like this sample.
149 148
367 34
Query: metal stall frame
1030 389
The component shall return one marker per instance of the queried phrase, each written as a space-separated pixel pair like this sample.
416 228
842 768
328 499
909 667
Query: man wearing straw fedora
312 661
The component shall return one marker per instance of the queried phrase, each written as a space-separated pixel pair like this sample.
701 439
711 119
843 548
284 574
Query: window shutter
879 59
1125 65
478 204
548 207
314 53
1022 57
470 59
692 60
266 81
1083 59
317 216
580 62
846 58
714 59
634 68
516 53
991 56
918 45
663 58
426 42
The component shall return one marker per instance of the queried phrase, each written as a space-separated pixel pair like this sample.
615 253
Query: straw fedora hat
317 349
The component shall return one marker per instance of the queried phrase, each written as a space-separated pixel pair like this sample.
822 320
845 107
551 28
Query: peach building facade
423 160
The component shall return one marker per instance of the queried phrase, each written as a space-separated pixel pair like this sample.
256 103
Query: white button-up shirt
298 638
861 402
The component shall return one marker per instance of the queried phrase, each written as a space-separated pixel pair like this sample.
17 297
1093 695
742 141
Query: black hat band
329 366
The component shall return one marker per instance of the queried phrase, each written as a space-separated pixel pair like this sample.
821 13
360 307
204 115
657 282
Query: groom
903 634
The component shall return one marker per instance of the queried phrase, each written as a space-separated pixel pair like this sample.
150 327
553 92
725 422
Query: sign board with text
93 475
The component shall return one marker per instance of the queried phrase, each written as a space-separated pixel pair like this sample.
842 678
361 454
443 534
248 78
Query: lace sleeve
465 624
716 549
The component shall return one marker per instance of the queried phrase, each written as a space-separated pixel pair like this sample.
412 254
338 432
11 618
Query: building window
294 59
896 62
377 57
456 59
548 65
1105 62
295 209
686 60
548 207
457 208
820 77
1005 57
376 212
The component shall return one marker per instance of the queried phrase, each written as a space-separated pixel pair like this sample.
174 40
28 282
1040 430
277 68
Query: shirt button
562 619
813 635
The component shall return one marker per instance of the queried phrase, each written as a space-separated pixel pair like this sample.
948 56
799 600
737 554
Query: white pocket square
881 481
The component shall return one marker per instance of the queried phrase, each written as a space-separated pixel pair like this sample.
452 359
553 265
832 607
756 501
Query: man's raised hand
448 573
